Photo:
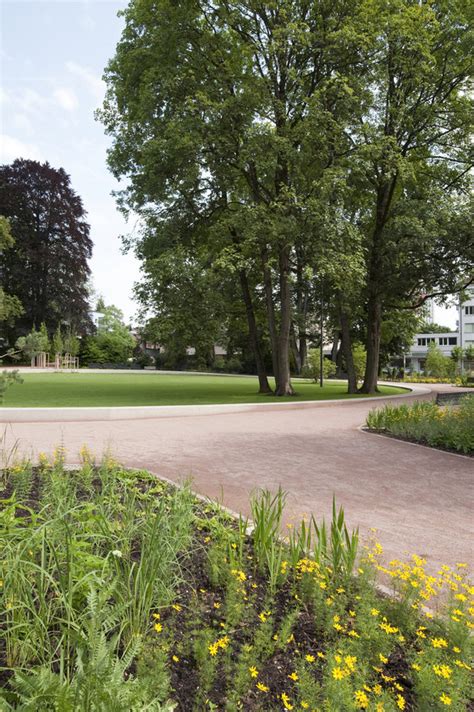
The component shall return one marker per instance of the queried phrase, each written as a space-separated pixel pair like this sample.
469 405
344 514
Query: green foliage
71 343
7 379
34 343
428 327
111 606
57 343
437 364
469 353
359 355
86 570
457 354
113 342
10 306
450 427
313 365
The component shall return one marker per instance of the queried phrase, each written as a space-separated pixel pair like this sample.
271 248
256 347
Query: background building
463 336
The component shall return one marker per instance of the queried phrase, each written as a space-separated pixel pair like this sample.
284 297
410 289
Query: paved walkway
419 500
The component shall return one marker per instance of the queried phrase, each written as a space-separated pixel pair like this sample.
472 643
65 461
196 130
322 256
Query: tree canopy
47 270
315 153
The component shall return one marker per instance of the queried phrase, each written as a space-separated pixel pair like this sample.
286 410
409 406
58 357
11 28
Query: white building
464 336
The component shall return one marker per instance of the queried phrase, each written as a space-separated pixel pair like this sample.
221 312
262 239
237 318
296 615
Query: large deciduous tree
47 269
322 145
413 158
230 108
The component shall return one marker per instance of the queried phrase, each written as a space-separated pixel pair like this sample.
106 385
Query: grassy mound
119 592
92 389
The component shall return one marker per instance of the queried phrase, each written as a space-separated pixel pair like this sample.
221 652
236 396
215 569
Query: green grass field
92 389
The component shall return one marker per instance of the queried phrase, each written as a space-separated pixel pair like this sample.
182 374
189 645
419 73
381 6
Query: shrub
313 365
450 427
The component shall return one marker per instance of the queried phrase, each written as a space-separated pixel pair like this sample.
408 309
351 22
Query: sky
53 53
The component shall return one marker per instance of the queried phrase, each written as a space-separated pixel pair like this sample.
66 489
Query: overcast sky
53 53
52 58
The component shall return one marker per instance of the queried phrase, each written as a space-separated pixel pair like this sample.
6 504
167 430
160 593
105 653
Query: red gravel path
419 500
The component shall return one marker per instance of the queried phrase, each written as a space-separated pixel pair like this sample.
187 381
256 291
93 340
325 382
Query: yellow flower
263 688
158 627
439 643
382 658
156 616
176 607
175 659
416 667
361 700
445 699
304 705
339 674
401 704
443 671
388 628
253 671
310 658
238 574
293 676
216 604
213 648
320 654
350 661
262 616
286 701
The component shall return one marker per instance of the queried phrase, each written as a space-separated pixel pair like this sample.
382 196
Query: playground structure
60 361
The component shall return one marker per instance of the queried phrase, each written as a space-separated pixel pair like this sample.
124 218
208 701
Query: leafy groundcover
448 427
121 592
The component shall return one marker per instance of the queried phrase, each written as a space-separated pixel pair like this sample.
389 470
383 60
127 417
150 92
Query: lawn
91 389
120 592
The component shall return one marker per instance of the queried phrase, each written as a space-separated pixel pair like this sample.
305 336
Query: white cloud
66 99
11 148
94 83
29 101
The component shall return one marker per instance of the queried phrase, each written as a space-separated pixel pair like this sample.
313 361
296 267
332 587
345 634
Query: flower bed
448 427
119 592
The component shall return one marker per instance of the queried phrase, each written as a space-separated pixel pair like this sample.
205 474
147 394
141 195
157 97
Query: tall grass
450 427
81 574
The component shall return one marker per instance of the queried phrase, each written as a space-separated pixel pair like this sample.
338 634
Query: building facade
463 336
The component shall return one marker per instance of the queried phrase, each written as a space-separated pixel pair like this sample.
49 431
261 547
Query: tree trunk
264 386
283 386
374 323
335 346
294 349
268 286
346 346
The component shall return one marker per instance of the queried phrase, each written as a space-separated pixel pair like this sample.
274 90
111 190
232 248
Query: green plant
312 368
449 427
267 512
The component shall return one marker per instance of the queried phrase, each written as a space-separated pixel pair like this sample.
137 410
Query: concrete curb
101 413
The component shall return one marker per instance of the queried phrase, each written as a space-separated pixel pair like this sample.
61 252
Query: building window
469 328
452 341
421 342
443 341
468 310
